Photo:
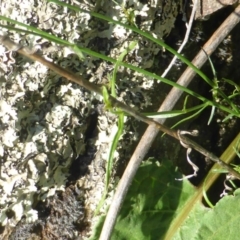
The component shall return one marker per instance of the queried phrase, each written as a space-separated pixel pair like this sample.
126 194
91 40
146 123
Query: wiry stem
115 103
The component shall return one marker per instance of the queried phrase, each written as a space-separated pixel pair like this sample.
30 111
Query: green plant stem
175 113
146 35
110 160
118 63
79 50
136 30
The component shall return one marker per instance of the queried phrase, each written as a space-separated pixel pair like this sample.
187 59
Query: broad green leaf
159 207
192 223
223 221
153 201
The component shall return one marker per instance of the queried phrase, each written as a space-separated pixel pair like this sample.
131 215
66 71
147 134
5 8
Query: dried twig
114 102
189 27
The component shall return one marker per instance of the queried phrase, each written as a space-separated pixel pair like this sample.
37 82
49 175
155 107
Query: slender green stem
103 57
187 118
33 31
175 113
142 33
79 50
118 63
109 164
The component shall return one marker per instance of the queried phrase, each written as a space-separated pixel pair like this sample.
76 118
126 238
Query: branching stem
114 102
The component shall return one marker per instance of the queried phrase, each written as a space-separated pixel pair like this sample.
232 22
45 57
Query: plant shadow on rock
80 165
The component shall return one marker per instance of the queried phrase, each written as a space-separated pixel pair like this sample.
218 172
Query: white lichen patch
43 117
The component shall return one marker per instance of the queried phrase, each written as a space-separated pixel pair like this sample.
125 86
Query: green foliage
158 206
110 162
154 199
221 222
